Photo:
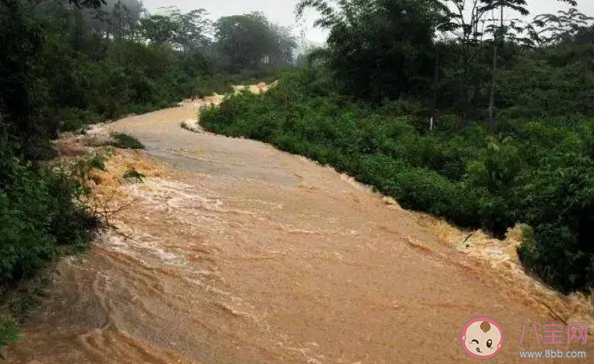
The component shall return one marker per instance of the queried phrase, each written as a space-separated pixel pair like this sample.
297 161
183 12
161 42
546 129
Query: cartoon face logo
482 338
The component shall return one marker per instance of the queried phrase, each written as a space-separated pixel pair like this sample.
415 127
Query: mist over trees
237 42
244 41
118 44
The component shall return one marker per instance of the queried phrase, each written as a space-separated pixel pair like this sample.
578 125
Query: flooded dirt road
239 253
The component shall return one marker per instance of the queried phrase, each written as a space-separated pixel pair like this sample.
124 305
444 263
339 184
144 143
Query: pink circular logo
482 338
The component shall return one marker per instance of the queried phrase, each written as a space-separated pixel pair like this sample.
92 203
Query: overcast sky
282 11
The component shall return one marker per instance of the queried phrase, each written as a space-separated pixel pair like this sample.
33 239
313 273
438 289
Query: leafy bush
40 213
557 199
209 85
126 141
527 172
8 332
134 175
72 119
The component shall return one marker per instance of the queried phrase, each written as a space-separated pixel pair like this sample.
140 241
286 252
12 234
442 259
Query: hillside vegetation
486 122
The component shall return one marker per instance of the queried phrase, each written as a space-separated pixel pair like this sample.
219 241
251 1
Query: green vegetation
524 172
132 175
41 216
452 107
67 63
125 141
484 128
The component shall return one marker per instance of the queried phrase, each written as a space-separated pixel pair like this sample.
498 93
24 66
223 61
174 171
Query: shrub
40 214
132 175
125 141
527 172
557 199
8 332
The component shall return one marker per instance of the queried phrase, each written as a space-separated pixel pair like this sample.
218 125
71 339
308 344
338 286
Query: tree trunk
465 96
493 86
435 91
501 37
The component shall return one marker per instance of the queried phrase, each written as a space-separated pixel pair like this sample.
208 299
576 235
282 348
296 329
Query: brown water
251 255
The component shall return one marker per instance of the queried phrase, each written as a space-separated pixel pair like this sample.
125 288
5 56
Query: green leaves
530 172
250 40
159 29
8 333
126 141
380 48
565 26
133 175
87 3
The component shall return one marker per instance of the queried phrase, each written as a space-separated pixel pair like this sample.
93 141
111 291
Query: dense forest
472 110
68 63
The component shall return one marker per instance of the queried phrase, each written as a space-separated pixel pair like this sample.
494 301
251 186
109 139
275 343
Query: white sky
282 11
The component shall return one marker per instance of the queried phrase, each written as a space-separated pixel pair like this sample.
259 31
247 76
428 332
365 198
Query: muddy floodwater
242 254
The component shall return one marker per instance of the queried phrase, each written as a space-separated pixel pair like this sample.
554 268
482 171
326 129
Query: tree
187 32
117 18
584 35
77 3
248 40
498 33
87 3
21 43
121 21
476 19
549 29
567 25
192 29
380 48
284 42
158 29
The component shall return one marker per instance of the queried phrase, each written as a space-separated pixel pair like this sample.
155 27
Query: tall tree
116 18
192 30
549 29
380 48
498 31
158 29
87 3
283 44
249 40
475 19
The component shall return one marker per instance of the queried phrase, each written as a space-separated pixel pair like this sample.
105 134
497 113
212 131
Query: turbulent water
250 255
